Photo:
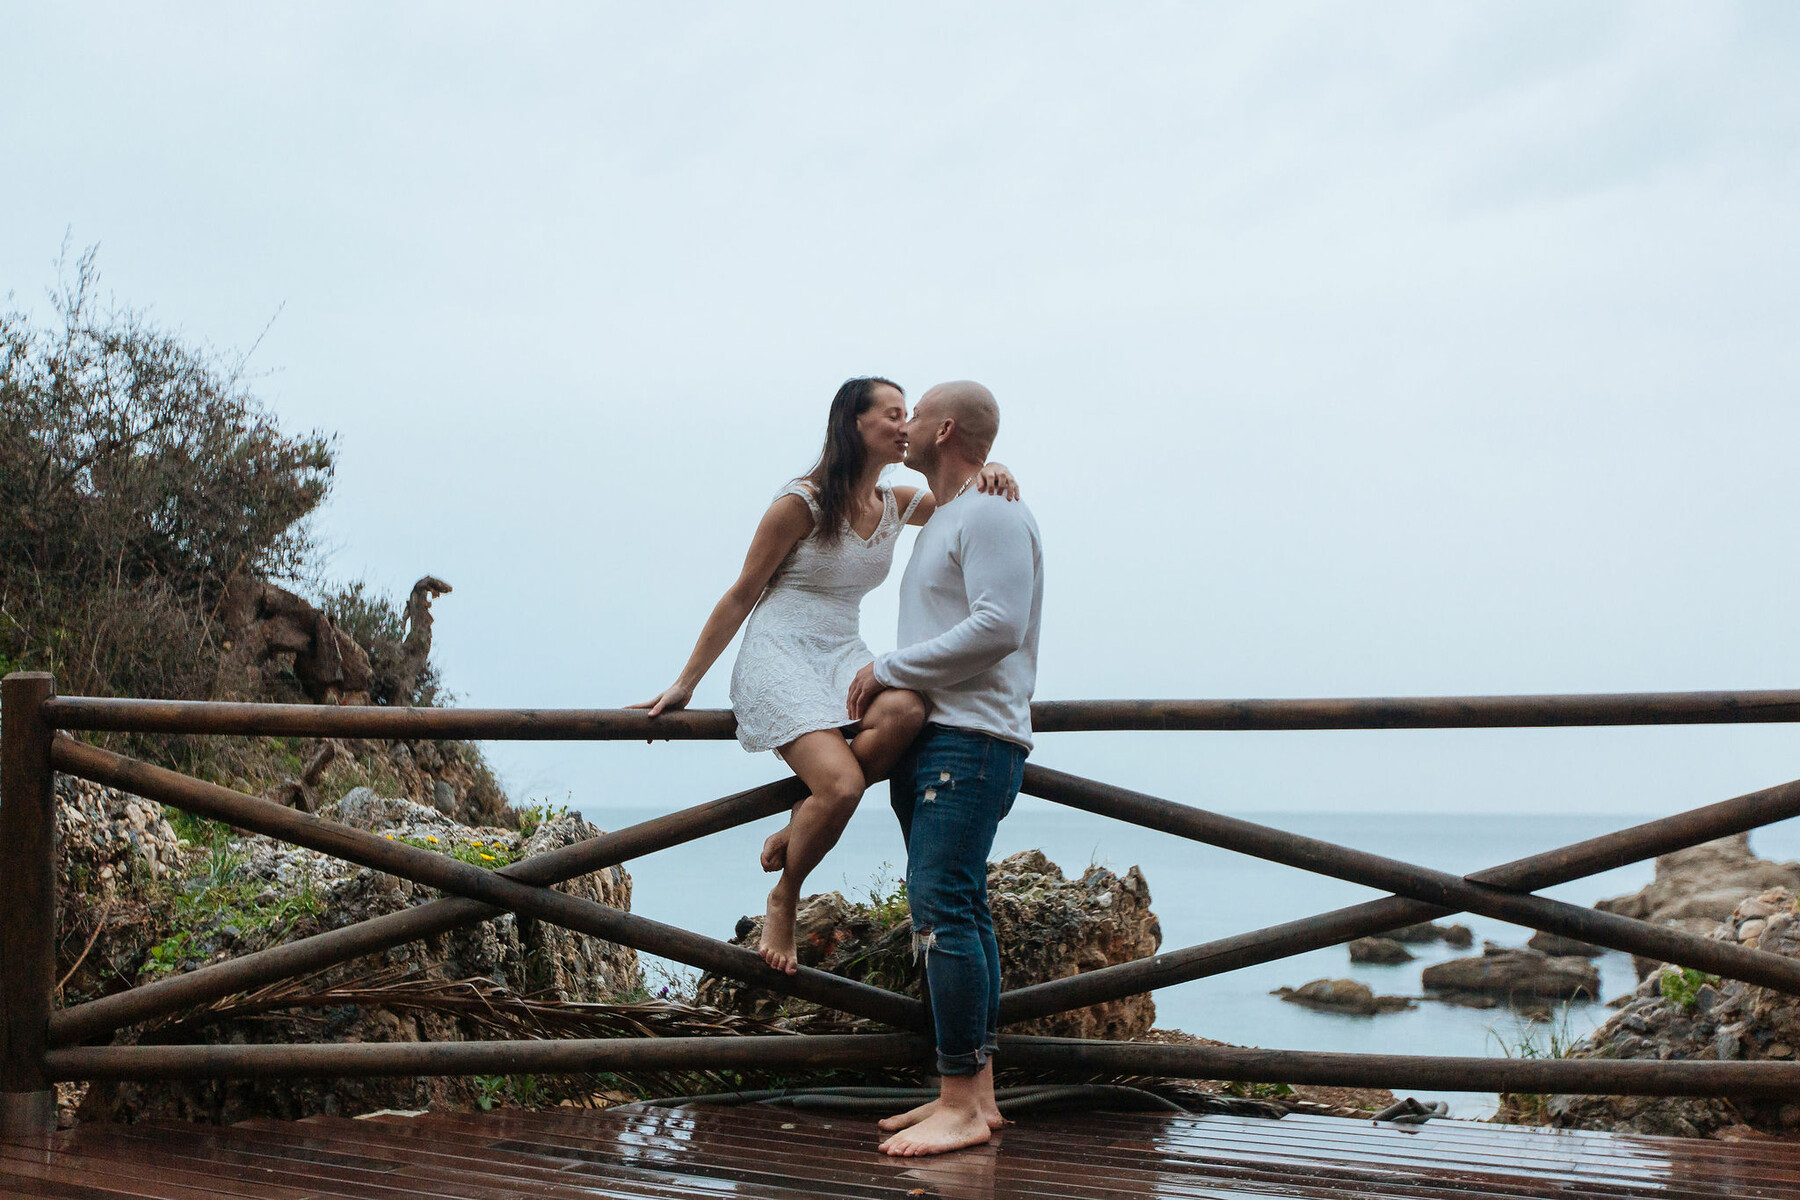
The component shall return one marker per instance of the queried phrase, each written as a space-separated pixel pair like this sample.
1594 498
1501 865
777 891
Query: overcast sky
1343 349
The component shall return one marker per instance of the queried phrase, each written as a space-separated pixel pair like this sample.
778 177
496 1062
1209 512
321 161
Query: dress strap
803 490
907 515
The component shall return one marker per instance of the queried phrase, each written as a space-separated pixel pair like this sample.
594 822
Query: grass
215 897
1533 1039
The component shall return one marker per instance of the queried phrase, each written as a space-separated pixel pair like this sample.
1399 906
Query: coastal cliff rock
1684 1014
1048 927
1696 888
139 903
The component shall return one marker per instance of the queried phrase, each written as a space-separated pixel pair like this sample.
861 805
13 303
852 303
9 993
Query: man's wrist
879 669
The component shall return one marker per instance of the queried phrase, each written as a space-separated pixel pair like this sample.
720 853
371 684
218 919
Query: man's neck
951 475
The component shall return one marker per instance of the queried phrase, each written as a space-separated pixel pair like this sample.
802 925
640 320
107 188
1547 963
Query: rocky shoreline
141 902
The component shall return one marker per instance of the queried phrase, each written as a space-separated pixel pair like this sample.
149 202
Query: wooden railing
42 1045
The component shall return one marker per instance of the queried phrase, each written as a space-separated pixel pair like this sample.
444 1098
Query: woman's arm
992 478
786 522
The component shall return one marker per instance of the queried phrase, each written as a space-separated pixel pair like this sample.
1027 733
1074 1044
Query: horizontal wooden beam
1564 1076
96 1018
1048 716
1419 712
437 870
551 1055
1065 1056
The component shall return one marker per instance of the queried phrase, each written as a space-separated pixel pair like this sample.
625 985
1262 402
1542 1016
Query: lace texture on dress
803 643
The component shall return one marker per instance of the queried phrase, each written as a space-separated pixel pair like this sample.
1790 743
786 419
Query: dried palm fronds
487 1009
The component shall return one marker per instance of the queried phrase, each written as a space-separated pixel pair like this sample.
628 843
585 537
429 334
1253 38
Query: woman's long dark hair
842 460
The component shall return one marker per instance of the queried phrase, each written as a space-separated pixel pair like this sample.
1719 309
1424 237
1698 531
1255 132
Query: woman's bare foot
990 1112
777 945
945 1130
774 851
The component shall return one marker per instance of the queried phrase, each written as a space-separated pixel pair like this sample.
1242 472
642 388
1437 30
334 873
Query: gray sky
1343 349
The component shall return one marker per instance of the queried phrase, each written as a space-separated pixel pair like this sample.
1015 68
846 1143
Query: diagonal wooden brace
303 956
1423 894
459 878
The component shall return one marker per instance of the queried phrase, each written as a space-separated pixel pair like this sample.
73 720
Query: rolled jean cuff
988 1047
962 1064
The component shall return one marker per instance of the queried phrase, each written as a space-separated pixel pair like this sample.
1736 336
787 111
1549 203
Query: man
969 605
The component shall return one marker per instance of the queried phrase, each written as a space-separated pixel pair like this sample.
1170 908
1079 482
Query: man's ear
946 431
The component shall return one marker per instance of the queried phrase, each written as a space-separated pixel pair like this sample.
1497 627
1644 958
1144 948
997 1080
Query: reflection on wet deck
759 1152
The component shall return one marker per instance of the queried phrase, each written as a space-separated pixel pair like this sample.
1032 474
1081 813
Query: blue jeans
950 795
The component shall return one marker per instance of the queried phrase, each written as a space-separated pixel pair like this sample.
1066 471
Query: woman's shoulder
804 490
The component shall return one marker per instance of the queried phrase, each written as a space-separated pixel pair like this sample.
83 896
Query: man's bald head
973 409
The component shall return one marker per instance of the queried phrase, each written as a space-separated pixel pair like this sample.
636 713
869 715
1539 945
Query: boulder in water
1503 972
1379 950
1343 996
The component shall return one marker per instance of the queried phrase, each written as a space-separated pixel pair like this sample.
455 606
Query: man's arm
997 579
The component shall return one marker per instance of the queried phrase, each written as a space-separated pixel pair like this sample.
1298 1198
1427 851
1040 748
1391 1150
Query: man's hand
863 690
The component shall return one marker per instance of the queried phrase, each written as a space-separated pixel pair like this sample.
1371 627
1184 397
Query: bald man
969 605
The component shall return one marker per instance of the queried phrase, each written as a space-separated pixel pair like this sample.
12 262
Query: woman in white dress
826 542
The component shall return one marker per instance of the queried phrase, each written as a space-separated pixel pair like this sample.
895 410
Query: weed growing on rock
1681 986
886 897
535 814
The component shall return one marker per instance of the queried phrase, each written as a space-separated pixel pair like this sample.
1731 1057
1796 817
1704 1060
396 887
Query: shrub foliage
138 476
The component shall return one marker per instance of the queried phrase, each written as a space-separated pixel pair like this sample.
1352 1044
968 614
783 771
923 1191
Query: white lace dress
803 643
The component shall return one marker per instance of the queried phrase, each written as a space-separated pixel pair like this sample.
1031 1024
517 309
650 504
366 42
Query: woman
826 541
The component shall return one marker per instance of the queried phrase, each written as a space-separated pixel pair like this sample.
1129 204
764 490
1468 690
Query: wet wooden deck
769 1153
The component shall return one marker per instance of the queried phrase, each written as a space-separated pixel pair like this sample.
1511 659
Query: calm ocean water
1201 893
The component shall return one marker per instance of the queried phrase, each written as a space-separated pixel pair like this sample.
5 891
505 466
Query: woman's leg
824 762
886 730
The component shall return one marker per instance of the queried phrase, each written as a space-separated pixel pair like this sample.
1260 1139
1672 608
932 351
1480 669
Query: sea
1201 893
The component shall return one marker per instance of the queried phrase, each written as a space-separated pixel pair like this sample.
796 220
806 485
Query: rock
1048 927
1697 887
168 908
1342 995
1426 931
1677 1014
117 858
1508 973
1384 951
1557 946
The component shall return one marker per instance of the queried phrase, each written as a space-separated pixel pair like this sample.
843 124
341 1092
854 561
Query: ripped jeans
950 794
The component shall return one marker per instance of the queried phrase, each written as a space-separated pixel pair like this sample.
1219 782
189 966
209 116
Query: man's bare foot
945 1130
777 944
774 851
990 1112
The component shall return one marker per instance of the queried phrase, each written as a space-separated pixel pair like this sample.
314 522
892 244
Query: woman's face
883 426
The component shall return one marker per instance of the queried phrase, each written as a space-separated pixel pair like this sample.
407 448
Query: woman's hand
997 480
673 697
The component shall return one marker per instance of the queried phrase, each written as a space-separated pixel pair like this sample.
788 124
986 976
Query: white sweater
969 607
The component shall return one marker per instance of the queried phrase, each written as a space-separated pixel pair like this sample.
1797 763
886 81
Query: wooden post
27 904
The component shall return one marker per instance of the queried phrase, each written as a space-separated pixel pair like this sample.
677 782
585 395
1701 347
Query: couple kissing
946 716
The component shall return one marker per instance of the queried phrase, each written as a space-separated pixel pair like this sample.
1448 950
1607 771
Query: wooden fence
40 1044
